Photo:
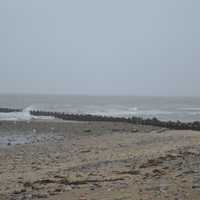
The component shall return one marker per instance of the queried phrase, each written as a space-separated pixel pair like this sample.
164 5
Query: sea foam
24 115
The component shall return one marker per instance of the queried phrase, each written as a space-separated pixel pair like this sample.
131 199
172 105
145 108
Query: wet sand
97 160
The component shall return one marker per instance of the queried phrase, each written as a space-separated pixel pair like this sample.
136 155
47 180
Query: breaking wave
24 115
186 113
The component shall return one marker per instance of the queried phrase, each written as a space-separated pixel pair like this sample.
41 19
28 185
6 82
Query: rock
68 188
158 172
134 172
87 131
131 172
85 151
134 130
40 196
92 188
20 191
196 186
151 163
27 184
34 130
189 172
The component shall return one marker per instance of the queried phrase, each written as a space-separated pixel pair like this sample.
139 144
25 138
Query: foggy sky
108 47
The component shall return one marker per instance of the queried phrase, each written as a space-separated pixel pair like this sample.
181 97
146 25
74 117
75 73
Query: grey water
164 108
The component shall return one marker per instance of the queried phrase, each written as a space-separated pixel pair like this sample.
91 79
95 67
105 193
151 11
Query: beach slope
97 160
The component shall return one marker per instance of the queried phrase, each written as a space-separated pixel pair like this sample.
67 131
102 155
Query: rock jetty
178 125
8 110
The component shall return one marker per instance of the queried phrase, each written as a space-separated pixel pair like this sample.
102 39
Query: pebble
68 188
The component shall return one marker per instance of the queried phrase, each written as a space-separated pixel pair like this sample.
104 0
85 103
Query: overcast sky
128 47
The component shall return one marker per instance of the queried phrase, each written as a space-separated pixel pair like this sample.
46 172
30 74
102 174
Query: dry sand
97 161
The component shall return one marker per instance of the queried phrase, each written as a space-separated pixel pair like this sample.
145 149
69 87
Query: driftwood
86 181
66 181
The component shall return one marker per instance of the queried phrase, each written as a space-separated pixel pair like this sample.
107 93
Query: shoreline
178 125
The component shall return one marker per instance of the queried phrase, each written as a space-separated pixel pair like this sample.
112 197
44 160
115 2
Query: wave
15 116
111 110
103 110
127 112
189 109
24 115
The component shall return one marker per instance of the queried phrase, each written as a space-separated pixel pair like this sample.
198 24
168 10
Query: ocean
164 108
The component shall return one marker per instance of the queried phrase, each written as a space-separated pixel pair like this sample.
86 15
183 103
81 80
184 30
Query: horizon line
97 95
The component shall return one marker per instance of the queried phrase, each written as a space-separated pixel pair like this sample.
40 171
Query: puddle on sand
17 139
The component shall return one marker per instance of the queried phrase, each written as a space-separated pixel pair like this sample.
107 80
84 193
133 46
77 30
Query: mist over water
164 108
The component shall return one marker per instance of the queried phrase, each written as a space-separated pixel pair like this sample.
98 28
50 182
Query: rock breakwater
178 125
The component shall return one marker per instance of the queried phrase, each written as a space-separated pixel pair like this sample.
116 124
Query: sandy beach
99 100
59 160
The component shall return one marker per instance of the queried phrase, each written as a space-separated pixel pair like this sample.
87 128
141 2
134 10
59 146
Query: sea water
164 108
